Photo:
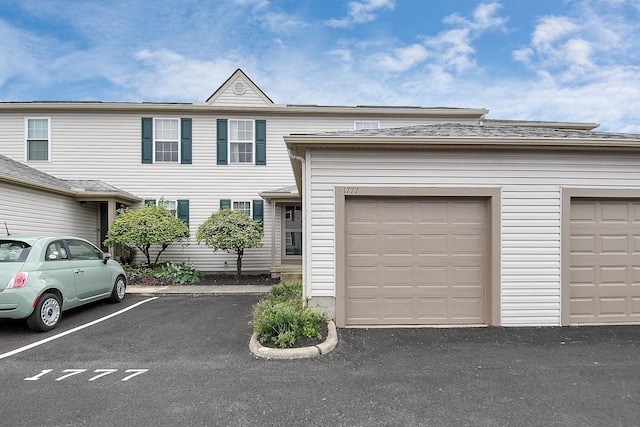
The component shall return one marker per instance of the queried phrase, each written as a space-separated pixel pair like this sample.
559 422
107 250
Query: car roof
31 239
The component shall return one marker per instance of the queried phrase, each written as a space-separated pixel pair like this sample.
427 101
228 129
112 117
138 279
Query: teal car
40 277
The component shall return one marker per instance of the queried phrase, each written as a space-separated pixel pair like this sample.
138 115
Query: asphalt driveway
193 367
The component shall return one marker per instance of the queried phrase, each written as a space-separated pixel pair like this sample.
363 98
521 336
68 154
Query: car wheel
46 314
119 290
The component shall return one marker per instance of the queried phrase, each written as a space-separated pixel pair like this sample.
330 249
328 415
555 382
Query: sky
550 60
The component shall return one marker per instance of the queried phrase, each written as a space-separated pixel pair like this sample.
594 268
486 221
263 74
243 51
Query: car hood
7 270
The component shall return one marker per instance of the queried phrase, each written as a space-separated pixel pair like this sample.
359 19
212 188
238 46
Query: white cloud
165 74
449 51
359 12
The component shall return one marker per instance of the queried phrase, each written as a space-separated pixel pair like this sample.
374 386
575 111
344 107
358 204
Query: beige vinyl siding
30 211
531 186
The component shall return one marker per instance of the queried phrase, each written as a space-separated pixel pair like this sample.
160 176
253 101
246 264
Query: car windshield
13 250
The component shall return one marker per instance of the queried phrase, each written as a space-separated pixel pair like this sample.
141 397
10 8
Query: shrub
162 274
282 318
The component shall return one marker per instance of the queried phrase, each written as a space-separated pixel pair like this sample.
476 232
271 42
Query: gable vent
239 88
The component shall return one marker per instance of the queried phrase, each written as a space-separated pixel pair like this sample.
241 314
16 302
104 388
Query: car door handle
78 271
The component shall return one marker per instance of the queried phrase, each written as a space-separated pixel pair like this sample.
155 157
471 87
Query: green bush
162 274
282 318
286 292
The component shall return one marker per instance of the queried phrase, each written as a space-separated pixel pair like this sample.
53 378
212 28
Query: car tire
119 290
46 313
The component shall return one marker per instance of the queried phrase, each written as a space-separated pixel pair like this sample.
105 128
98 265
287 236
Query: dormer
239 91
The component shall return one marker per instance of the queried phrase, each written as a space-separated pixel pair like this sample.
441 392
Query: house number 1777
351 190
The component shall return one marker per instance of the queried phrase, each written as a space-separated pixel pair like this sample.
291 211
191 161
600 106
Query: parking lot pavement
187 362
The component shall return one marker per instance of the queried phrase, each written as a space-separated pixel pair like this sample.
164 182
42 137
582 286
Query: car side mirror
106 257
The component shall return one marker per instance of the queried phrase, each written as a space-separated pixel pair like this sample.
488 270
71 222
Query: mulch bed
213 280
305 342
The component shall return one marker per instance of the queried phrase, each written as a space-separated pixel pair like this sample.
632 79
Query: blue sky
558 60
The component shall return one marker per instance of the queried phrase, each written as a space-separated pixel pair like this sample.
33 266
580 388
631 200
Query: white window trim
243 201
355 124
153 139
253 142
26 138
165 201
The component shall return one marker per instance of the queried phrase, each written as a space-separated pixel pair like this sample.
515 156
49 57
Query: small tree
231 230
142 228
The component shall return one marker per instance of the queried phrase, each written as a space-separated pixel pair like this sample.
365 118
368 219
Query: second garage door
605 261
415 261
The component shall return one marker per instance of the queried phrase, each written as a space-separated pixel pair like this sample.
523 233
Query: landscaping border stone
296 353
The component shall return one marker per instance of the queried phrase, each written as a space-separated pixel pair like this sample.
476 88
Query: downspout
306 263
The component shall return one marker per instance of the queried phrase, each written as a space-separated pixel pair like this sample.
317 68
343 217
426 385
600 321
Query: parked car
40 277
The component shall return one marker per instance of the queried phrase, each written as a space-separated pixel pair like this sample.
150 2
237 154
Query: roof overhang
78 194
299 145
275 109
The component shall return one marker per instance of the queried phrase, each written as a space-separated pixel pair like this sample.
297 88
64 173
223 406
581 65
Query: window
166 139
358 125
83 250
293 229
56 252
254 208
241 140
179 208
242 206
37 138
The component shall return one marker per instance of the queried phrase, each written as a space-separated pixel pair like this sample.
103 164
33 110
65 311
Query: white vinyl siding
530 218
30 211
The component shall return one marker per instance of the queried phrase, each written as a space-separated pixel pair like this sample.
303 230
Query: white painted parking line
70 331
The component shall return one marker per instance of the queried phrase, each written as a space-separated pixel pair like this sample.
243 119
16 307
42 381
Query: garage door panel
466 244
583 244
426 271
362 244
431 244
396 244
614 244
604 271
396 213
467 213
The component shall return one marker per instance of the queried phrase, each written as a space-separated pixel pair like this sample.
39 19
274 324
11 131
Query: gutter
306 224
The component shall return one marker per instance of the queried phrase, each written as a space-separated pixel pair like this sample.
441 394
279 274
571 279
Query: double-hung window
166 139
179 208
38 143
241 140
242 206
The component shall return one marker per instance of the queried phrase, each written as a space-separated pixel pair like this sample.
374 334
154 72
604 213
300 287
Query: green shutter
221 145
258 211
185 141
149 202
147 140
225 204
183 211
261 142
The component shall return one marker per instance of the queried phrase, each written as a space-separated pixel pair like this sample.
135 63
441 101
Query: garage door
415 261
605 262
